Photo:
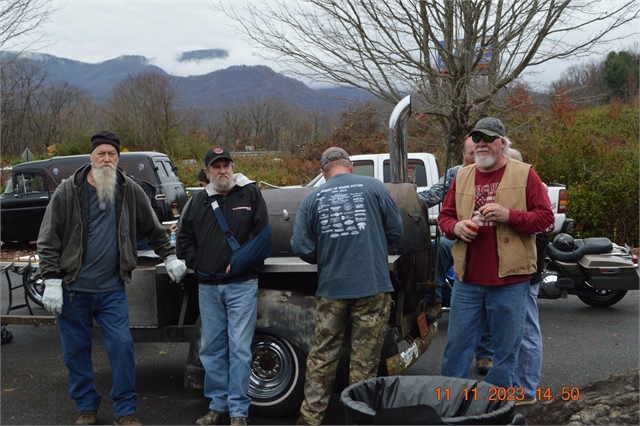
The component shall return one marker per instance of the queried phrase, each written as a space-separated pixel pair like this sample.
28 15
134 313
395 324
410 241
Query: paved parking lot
581 344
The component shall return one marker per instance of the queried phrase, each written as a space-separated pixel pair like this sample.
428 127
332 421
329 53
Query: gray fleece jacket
62 239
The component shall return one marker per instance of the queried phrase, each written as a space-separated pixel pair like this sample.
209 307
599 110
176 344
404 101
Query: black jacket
201 242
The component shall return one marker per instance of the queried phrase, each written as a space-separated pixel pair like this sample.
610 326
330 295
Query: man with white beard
87 242
494 208
228 300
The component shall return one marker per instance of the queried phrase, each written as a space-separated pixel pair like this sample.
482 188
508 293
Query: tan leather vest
516 250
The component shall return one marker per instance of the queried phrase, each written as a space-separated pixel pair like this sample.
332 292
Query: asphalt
581 344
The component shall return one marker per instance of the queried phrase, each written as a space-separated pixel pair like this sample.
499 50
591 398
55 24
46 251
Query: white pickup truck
423 169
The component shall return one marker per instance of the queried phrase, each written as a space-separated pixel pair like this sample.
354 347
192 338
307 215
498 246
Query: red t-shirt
482 254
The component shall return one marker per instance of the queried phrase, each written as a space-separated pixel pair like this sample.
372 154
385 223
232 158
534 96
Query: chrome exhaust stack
398 147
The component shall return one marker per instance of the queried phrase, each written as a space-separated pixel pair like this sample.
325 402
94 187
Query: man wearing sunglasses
493 262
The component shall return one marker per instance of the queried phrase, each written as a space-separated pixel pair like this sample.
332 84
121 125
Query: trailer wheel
277 376
603 298
33 283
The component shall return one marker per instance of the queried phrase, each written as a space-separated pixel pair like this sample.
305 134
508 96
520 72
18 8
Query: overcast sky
98 30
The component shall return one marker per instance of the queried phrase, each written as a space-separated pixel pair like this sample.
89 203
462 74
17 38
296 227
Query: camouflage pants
369 317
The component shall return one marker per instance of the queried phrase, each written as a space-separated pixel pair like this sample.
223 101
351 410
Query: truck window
419 172
363 168
9 188
28 183
162 170
171 171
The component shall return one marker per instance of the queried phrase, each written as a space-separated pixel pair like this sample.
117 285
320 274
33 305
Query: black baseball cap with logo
215 154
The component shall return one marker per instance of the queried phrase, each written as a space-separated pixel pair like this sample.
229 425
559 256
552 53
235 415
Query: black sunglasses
480 137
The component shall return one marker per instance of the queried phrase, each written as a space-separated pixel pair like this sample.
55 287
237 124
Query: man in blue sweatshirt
345 227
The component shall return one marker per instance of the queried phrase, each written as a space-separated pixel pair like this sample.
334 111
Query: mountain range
210 91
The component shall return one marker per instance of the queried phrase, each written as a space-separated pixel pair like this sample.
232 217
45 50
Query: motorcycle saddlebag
611 272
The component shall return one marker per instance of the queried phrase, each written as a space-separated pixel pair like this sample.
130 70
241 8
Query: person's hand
228 270
466 230
175 268
173 227
52 297
493 212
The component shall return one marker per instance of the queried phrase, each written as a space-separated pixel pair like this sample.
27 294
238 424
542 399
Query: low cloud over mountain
202 55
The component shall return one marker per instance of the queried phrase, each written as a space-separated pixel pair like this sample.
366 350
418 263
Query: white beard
105 179
222 184
485 161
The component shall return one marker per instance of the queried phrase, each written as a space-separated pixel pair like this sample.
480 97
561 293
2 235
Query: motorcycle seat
580 248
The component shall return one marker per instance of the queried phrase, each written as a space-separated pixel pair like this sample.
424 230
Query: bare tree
143 110
454 56
58 108
584 83
20 80
21 22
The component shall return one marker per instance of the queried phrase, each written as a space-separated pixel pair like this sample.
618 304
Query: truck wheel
604 298
277 376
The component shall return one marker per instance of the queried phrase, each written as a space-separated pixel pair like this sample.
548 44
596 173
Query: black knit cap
105 136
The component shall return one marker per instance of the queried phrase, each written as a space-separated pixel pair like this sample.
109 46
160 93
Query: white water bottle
478 222
173 238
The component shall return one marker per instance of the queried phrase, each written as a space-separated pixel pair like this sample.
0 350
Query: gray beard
486 162
223 185
105 180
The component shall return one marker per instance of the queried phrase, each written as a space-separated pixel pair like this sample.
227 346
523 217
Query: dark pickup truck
32 185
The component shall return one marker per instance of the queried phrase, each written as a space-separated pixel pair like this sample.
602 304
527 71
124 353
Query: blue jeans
472 308
229 313
444 262
529 365
485 349
76 322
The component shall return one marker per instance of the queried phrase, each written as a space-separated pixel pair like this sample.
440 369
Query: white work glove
175 268
52 297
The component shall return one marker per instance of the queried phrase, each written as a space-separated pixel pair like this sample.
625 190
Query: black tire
34 285
277 376
603 298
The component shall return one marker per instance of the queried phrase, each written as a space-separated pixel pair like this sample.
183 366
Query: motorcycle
596 270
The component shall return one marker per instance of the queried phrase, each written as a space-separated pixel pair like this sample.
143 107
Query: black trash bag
7 336
404 400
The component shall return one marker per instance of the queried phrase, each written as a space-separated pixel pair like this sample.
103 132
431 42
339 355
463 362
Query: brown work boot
483 365
87 418
238 421
433 311
213 418
130 419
